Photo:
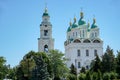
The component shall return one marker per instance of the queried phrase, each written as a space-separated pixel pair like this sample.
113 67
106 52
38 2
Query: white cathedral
82 45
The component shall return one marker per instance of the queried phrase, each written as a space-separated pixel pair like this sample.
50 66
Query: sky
20 20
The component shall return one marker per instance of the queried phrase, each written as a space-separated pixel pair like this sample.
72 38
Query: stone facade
45 42
83 43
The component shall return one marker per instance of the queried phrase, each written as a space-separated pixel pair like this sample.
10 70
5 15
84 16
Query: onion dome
74 25
69 28
46 12
94 24
81 21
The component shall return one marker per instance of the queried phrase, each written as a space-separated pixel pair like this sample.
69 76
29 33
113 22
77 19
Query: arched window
79 65
86 41
77 41
45 32
46 48
95 52
96 41
78 52
83 33
87 52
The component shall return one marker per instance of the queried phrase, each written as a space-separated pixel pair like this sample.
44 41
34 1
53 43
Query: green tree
88 76
96 64
41 68
57 63
108 61
83 70
118 63
3 68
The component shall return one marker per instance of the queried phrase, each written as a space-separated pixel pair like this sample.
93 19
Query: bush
71 77
106 76
82 76
113 75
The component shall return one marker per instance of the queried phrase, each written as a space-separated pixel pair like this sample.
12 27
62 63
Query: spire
46 10
88 24
94 20
74 19
70 23
81 14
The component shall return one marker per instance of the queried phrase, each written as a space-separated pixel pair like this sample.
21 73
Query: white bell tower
45 42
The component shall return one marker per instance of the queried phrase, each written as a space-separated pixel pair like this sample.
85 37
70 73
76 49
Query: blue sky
20 20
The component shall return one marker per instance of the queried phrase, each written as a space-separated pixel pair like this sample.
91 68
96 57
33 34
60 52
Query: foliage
96 64
106 76
118 63
73 69
82 76
40 70
71 77
108 61
83 70
88 76
57 63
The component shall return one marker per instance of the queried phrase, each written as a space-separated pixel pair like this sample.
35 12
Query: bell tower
45 42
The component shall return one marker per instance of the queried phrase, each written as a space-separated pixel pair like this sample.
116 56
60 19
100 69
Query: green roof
69 29
74 25
93 26
81 22
45 14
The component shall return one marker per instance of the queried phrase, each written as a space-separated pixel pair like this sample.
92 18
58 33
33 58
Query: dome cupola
94 24
81 21
74 25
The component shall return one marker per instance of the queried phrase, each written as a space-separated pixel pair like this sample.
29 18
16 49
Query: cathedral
82 43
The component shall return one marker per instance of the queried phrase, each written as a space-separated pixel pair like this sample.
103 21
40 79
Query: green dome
69 29
74 25
93 26
45 14
81 22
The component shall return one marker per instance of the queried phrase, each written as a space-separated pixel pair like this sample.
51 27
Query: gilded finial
74 19
88 24
94 20
70 23
46 10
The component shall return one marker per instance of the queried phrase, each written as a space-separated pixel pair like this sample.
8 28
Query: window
95 52
95 34
83 33
87 67
45 32
87 52
78 52
79 65
80 33
45 25
73 33
76 33
46 48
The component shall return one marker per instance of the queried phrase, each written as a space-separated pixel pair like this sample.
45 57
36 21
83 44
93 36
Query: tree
108 61
96 64
3 68
57 62
41 68
73 69
88 76
83 70
118 63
